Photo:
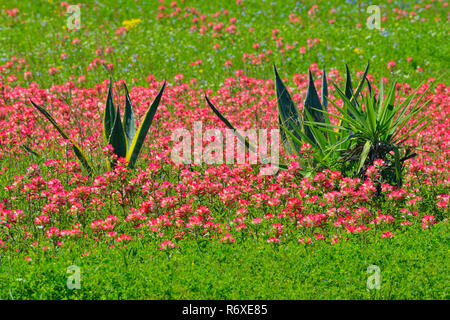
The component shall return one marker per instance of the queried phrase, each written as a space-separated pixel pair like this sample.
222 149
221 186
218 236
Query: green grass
412 266
165 47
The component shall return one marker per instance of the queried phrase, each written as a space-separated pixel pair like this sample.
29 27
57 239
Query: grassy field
171 231
412 266
167 46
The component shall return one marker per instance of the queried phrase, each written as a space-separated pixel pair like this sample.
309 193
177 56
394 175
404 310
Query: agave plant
294 132
243 140
125 140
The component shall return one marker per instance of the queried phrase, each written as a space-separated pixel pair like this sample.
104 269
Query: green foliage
218 271
368 128
122 136
78 152
323 140
376 127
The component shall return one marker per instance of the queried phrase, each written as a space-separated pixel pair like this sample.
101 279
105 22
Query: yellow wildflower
130 24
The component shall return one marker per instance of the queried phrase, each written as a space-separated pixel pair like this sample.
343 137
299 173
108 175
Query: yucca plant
368 129
125 140
376 127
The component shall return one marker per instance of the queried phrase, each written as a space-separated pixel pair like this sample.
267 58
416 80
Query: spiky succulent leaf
77 150
109 114
364 154
312 104
324 92
312 100
139 138
288 114
117 138
128 118
360 86
348 84
230 126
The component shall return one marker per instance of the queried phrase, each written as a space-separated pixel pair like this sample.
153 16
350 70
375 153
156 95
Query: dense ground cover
167 230
412 266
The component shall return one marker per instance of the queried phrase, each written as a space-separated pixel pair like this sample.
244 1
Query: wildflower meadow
264 150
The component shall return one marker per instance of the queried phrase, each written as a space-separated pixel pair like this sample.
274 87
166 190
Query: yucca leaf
117 138
329 125
109 114
372 94
371 117
77 150
352 109
303 138
398 167
128 118
422 123
388 105
360 86
139 138
364 154
344 116
380 99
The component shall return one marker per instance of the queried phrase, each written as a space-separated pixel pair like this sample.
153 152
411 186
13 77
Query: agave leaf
324 92
312 101
318 134
31 152
109 114
77 150
229 125
117 138
128 118
288 113
139 138
237 134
